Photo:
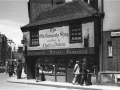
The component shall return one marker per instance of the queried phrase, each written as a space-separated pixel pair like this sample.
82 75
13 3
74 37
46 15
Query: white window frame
110 53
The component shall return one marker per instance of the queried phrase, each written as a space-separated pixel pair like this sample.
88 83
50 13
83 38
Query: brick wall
111 63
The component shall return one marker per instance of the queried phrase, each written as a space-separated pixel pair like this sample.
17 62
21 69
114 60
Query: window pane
34 38
109 48
76 33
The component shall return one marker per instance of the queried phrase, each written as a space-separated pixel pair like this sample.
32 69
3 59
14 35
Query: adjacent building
0 47
5 49
110 38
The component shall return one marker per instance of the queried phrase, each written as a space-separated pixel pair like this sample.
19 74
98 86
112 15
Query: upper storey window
34 37
75 33
110 49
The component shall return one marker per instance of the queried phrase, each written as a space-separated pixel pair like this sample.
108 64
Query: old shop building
59 36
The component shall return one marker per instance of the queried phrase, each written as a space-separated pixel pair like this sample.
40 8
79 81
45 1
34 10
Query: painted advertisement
54 37
58 38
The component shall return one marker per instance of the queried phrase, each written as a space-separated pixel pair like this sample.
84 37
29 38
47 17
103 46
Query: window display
61 66
52 65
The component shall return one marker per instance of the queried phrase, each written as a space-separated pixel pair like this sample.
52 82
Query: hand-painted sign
55 37
61 52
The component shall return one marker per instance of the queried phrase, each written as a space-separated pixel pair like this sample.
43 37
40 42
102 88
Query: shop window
53 65
34 38
110 49
75 33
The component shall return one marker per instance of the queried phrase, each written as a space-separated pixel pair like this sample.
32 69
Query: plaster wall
112 15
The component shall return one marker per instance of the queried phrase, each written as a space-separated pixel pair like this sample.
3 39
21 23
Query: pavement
24 80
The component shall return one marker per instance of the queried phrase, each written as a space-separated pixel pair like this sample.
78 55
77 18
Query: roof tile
67 11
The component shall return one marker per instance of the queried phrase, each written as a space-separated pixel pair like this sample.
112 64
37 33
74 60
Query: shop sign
54 37
115 34
61 52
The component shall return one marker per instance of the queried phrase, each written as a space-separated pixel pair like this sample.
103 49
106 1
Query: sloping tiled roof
67 11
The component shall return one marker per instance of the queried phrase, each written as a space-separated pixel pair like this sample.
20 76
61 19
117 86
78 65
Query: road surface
4 85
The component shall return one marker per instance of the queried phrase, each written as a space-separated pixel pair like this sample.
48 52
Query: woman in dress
37 67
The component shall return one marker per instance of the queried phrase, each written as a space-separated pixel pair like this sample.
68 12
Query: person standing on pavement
6 66
37 67
19 69
76 72
10 68
84 72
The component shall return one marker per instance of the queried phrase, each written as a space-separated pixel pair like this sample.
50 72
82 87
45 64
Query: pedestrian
84 72
76 72
10 69
37 67
6 65
19 69
13 67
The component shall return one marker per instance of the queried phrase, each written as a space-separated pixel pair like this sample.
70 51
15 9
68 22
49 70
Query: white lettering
64 34
49 35
55 44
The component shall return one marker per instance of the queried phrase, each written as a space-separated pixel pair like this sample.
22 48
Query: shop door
70 67
60 69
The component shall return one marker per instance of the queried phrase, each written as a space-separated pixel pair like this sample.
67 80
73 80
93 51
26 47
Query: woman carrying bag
76 72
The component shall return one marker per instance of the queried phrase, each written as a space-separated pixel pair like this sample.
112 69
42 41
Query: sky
13 15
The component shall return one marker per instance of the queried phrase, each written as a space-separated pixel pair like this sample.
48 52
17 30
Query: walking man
84 72
19 69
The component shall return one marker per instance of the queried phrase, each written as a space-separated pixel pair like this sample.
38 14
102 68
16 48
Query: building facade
110 57
5 49
61 35
0 48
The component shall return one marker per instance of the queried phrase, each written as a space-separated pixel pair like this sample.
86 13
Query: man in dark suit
84 72
19 69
